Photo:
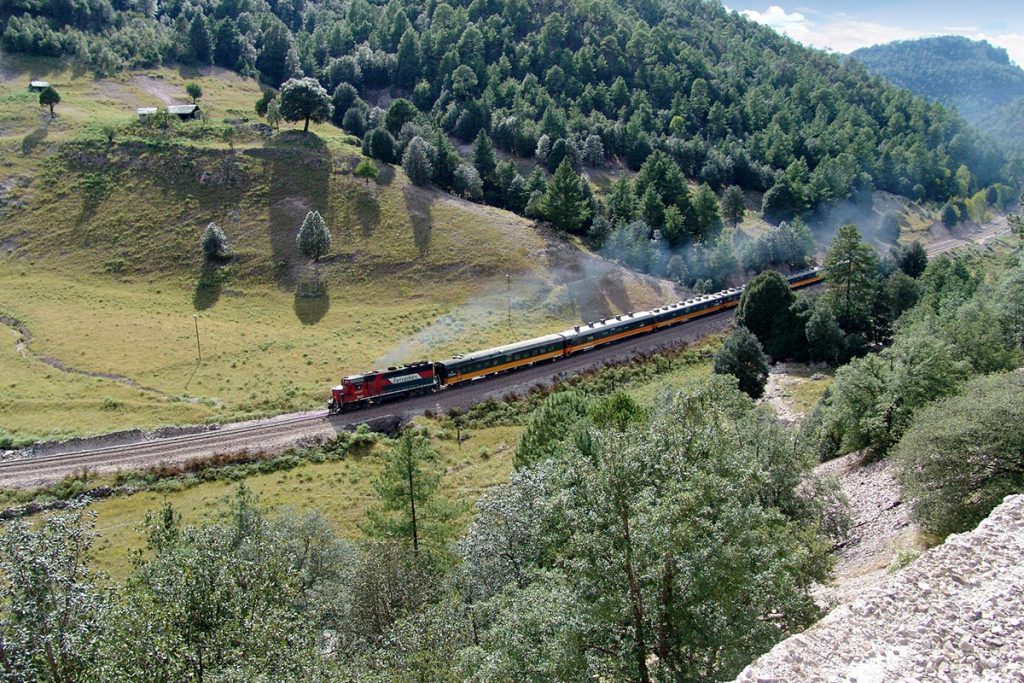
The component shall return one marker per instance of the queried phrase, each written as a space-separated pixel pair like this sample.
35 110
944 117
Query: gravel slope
956 614
880 528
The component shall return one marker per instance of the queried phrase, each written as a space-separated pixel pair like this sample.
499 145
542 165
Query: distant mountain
974 76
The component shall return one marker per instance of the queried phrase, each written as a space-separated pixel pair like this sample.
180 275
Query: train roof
417 366
614 321
501 350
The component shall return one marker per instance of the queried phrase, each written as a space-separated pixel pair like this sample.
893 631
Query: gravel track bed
955 614
29 467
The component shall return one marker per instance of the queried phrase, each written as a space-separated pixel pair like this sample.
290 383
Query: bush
742 357
964 454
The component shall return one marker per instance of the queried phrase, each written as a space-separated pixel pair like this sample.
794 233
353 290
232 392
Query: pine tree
314 238
742 357
214 243
484 159
621 200
651 208
418 161
49 97
409 509
195 91
733 205
200 41
564 204
408 59
366 170
705 213
850 275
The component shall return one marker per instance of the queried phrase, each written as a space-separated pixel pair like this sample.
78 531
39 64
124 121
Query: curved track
275 435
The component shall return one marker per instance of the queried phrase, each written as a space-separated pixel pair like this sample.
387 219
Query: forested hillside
973 76
729 101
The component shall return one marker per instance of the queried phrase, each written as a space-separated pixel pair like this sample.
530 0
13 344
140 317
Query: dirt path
22 345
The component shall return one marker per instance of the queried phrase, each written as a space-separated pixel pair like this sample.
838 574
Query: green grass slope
100 261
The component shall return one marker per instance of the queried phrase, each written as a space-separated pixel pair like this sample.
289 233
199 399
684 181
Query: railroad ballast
428 377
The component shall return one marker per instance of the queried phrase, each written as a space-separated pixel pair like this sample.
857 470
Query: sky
845 25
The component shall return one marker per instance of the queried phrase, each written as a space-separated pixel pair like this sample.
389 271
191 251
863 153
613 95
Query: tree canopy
304 99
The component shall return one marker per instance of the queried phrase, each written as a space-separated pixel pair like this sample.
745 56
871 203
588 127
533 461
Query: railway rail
277 434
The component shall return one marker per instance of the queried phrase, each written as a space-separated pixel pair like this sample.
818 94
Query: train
425 377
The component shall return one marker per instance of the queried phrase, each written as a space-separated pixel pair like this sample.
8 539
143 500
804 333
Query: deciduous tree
304 99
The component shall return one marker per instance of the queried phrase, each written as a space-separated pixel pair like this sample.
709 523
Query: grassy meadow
100 261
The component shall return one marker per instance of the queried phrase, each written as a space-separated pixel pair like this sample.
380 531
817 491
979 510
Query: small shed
38 86
144 113
185 112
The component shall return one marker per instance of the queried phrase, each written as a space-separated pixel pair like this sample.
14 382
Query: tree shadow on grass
299 168
367 211
312 298
33 140
417 205
208 288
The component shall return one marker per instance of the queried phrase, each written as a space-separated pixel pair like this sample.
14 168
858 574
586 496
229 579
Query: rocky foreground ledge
955 614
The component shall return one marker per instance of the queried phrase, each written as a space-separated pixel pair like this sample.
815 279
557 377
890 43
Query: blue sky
845 25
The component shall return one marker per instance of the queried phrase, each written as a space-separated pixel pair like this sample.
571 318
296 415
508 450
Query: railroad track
276 435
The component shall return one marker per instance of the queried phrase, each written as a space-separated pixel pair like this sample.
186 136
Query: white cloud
794 25
845 33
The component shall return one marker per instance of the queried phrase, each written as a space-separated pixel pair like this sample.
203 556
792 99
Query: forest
975 77
589 82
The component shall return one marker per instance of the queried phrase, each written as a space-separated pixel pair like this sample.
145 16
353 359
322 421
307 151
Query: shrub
965 453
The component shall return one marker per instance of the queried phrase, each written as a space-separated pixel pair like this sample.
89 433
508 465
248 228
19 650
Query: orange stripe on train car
605 340
498 368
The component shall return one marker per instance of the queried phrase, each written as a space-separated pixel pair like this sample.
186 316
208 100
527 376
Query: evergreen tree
549 431
264 100
466 182
484 159
214 243
912 259
354 121
274 114
314 238
733 205
195 91
399 113
564 204
409 509
408 69
850 275
824 338
742 357
765 310
345 95
366 170
49 97
200 41
706 214
228 45
651 209
276 60
379 144
304 99
621 200
418 161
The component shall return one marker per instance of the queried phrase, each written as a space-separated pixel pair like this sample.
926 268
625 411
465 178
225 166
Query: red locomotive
379 385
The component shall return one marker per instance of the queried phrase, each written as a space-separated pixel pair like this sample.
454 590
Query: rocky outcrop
956 614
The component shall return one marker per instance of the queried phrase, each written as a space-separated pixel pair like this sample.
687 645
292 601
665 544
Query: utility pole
508 290
199 347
